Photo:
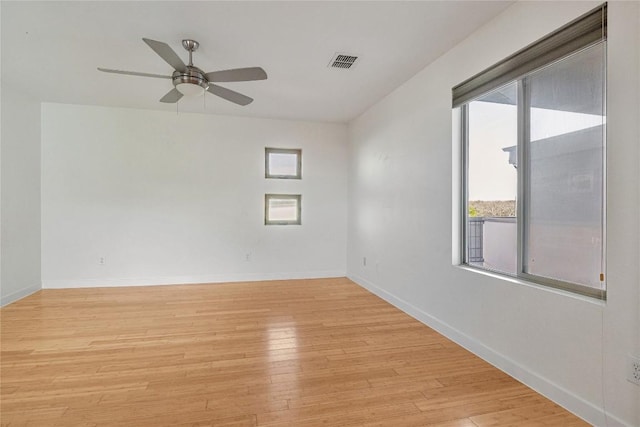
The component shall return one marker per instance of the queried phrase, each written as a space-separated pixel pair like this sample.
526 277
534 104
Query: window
283 163
492 180
282 209
534 161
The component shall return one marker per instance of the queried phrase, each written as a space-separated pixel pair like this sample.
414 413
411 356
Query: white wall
20 200
403 189
179 198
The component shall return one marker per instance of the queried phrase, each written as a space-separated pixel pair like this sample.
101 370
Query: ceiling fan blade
165 52
230 95
133 73
171 97
237 75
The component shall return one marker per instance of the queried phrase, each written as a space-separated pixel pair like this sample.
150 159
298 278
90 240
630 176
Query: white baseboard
19 294
184 280
568 400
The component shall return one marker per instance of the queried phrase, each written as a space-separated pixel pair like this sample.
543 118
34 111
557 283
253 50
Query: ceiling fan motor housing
191 81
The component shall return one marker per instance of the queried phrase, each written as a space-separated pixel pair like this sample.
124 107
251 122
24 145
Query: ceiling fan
190 80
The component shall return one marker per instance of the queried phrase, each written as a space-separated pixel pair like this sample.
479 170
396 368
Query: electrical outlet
633 371
364 261
101 260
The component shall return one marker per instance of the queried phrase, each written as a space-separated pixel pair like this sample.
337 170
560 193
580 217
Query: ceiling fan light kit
191 81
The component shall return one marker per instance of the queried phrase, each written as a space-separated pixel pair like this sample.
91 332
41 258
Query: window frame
297 197
461 101
295 151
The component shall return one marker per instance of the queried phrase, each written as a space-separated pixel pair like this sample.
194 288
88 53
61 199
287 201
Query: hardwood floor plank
279 353
519 415
419 419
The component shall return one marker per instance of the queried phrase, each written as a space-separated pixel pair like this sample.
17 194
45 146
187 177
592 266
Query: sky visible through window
283 209
283 164
492 127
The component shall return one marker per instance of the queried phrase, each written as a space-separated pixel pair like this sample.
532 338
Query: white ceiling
52 49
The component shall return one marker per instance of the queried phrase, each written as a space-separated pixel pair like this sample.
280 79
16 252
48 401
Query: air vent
342 60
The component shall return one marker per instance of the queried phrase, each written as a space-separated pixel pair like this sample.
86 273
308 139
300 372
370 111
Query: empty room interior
322 213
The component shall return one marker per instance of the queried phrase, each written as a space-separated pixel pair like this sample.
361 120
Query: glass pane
564 195
492 232
283 209
283 164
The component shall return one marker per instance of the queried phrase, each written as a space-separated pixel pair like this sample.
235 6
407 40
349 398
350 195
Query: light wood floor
297 353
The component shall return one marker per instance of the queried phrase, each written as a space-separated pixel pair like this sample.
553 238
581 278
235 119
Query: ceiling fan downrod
190 46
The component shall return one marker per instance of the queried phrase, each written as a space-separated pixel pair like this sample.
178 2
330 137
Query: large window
533 161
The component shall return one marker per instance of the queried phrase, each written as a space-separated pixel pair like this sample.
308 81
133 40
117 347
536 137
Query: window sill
528 283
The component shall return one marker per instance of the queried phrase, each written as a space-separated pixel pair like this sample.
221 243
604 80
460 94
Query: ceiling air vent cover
343 60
